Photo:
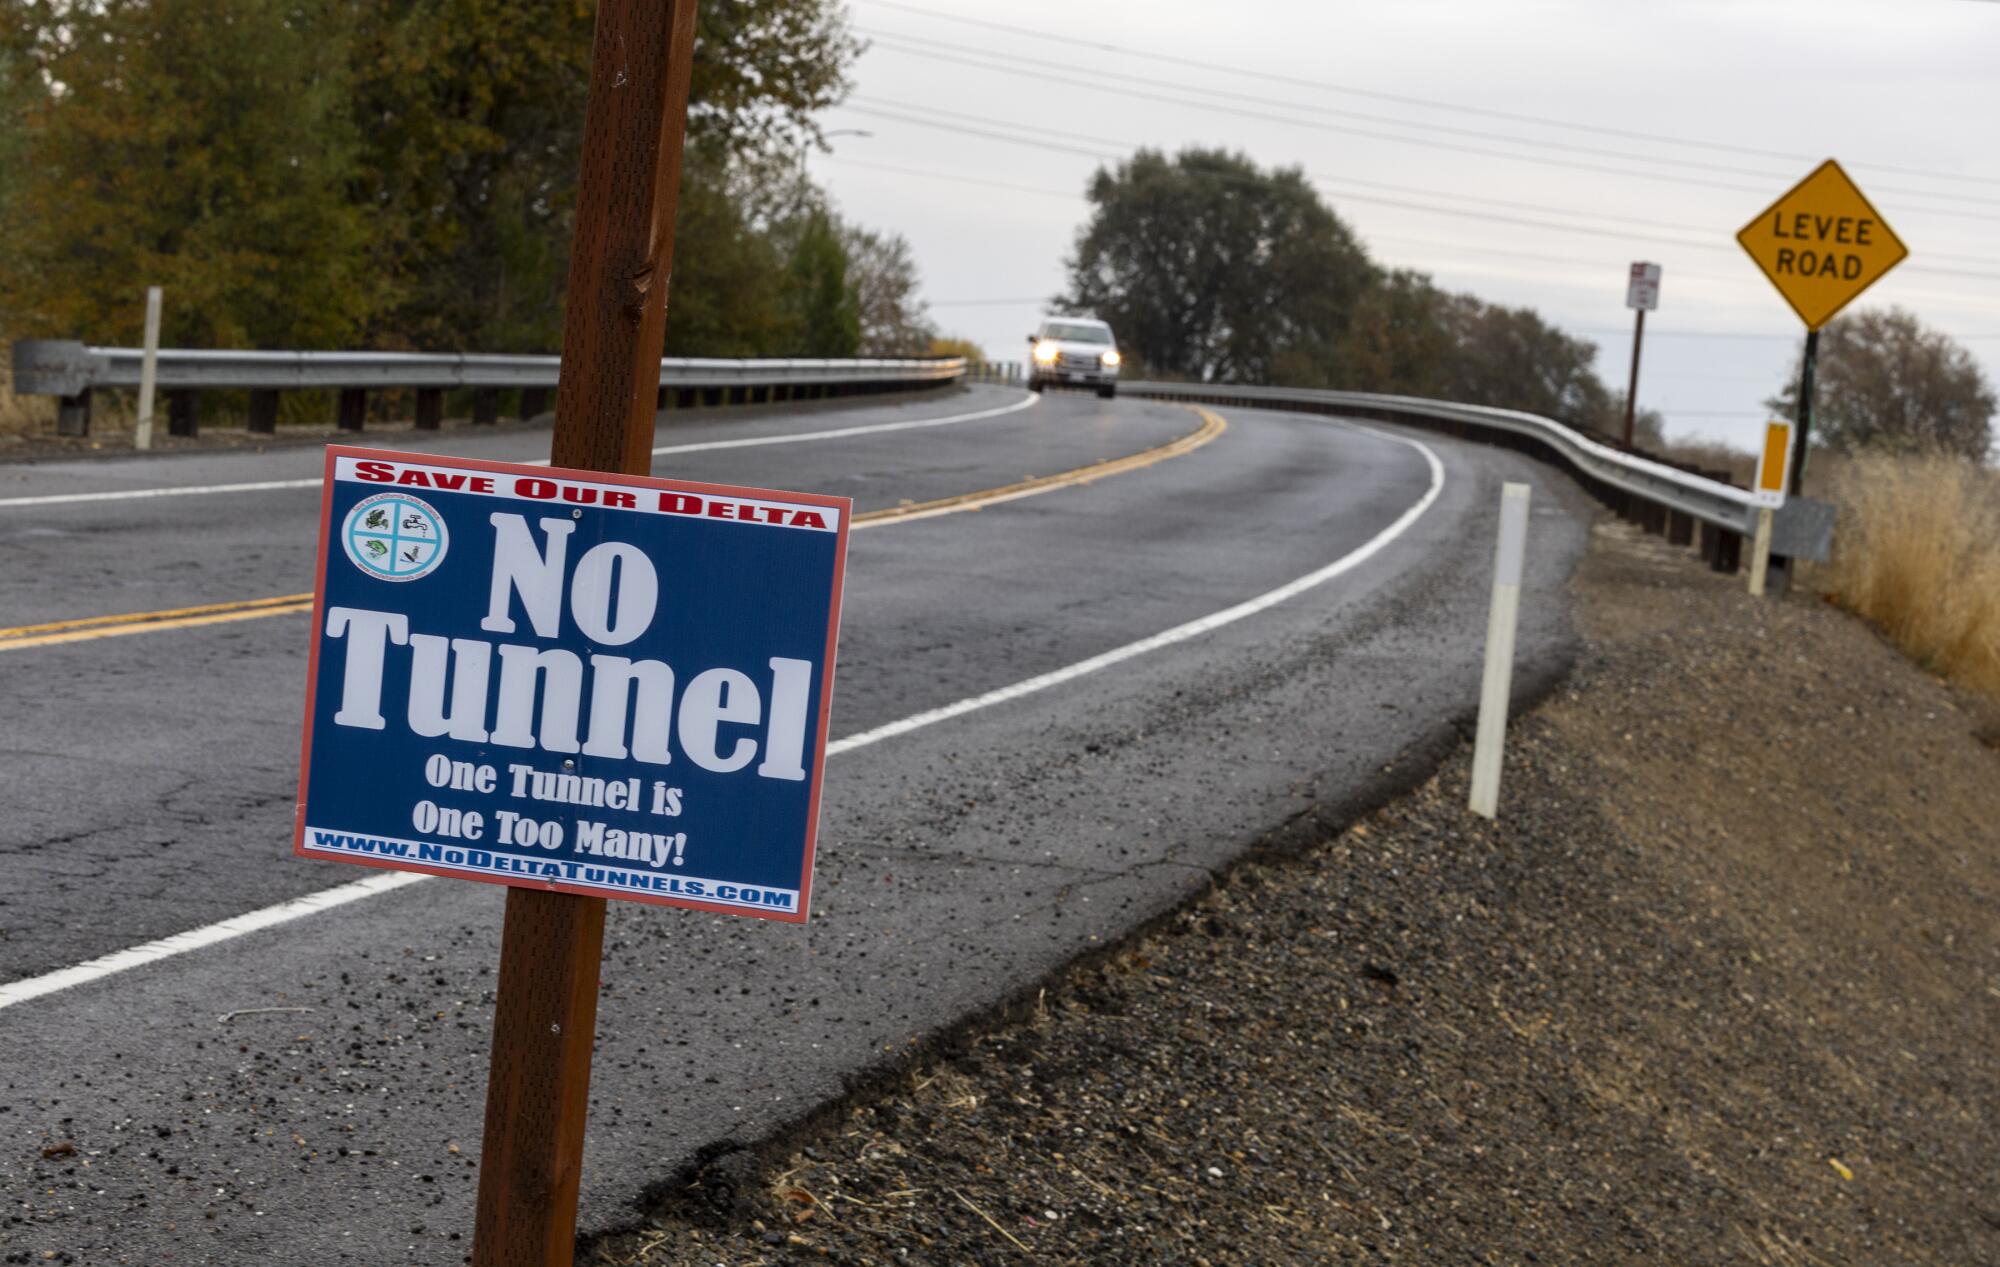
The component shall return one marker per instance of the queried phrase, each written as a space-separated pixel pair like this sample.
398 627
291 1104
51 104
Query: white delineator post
1760 552
1501 620
149 372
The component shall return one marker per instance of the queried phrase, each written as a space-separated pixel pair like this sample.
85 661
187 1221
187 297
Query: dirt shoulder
1721 986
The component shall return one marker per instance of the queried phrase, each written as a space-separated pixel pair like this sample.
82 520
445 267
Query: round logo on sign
394 537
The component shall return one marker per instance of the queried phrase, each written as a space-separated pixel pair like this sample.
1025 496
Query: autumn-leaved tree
474 111
320 173
955 345
1211 268
1886 381
202 145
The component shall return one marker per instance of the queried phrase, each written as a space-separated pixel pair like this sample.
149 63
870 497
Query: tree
201 145
1512 359
1397 340
1211 269
1885 381
474 111
882 273
829 322
19 86
728 296
1649 426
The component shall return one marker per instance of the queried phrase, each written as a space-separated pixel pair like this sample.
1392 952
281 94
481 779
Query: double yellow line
21 637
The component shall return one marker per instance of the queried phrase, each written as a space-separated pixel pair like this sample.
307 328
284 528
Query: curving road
312 1092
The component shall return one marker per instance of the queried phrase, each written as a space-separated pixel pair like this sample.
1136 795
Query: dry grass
1918 553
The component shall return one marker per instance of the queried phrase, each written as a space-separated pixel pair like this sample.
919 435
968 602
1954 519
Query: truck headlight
1046 353
1111 359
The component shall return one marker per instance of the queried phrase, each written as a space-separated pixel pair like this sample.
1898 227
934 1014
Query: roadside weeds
1918 553
1722 985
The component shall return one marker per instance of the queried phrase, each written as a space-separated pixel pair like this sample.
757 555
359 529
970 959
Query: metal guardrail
1659 496
72 370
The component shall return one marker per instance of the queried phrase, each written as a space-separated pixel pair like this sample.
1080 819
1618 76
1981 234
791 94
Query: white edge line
1179 633
326 899
207 935
196 490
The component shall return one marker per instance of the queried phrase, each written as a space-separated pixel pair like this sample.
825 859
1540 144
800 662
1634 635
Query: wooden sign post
614 331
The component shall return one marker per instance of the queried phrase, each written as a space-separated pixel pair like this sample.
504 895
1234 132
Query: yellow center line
80 629
172 613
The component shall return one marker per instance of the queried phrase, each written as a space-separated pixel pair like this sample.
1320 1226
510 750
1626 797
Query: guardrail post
534 403
430 408
1680 528
353 408
183 413
1728 551
485 406
73 415
264 412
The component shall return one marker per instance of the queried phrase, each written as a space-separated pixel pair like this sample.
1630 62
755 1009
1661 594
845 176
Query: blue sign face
570 680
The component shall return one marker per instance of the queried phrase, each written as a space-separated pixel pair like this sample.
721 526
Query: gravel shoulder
1722 985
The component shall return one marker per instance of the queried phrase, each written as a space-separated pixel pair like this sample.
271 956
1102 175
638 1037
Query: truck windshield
1076 334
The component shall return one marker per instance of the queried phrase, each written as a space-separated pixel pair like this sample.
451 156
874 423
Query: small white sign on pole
1643 290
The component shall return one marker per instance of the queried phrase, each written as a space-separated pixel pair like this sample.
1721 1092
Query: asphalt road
334 1115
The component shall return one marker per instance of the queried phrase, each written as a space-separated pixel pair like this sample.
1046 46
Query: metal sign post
1807 365
614 334
1642 295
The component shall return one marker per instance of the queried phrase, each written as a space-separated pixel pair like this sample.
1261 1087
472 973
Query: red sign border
335 452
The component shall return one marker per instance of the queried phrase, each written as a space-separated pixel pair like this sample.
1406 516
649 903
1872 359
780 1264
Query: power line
1066 195
1512 204
928 48
1399 203
1179 98
983 303
1070 40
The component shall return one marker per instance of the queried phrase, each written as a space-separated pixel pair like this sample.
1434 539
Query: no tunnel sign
1822 244
570 680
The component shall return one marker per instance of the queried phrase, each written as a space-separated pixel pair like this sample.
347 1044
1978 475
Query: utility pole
614 330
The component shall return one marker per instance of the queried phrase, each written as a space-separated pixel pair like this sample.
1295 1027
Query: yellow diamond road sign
1822 244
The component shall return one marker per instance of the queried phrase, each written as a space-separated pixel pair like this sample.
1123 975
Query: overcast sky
1401 106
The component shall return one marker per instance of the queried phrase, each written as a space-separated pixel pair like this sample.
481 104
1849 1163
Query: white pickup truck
1075 350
